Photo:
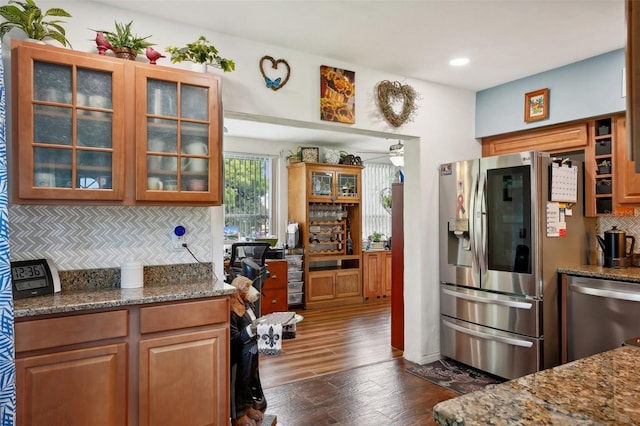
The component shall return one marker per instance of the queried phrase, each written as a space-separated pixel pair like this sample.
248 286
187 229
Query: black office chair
249 260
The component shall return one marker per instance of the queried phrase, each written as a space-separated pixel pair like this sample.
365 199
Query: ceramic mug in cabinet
197 148
154 184
44 180
196 164
196 185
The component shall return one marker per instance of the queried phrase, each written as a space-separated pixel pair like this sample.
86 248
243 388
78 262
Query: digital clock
34 278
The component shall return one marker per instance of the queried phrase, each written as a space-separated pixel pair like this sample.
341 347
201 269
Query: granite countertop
82 300
592 271
601 389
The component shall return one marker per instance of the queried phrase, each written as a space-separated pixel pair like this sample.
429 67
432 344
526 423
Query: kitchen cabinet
376 274
167 363
627 188
553 139
632 77
324 199
334 286
183 363
72 370
91 129
611 184
275 288
600 160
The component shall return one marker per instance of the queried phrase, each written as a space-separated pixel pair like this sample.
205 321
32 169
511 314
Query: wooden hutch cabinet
91 129
325 201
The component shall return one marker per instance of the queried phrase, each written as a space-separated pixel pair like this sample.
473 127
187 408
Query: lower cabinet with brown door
333 287
376 274
72 370
274 297
156 364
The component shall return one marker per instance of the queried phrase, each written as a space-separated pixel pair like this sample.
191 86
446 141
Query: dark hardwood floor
341 370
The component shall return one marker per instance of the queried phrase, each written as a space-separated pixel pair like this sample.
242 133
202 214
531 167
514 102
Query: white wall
444 129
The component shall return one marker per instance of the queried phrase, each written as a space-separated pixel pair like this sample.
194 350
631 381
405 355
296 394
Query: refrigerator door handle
473 227
472 298
482 219
500 339
591 291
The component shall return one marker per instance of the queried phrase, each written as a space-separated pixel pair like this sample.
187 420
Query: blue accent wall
7 362
580 90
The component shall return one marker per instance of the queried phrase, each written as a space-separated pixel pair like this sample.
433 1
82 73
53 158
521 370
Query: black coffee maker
614 247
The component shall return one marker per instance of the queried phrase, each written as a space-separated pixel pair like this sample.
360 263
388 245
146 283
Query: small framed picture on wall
536 105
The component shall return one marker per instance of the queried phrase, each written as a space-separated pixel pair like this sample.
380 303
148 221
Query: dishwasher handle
600 292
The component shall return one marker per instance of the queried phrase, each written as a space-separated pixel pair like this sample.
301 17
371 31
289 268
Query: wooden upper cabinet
68 141
633 76
555 139
178 139
627 187
91 129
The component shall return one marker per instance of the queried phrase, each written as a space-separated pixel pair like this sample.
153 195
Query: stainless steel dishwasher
601 315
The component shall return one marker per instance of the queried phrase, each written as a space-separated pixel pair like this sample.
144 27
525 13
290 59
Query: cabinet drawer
278 274
69 330
183 315
274 301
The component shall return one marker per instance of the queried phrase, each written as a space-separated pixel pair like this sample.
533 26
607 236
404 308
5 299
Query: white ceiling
504 39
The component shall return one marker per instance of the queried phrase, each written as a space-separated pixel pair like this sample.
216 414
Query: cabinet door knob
275 277
274 301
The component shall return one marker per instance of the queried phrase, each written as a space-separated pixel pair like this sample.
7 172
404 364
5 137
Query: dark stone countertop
100 298
601 389
631 274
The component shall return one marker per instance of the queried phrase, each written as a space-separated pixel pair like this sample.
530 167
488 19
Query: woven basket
125 53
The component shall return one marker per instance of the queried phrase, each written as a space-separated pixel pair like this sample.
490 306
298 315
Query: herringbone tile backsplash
629 224
87 237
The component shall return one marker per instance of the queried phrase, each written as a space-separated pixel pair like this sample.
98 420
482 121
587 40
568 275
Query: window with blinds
375 178
248 195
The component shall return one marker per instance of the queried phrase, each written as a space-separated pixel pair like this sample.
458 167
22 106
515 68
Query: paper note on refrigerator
553 219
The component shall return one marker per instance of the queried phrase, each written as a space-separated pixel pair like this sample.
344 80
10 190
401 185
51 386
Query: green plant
124 38
28 17
201 51
294 155
386 201
376 237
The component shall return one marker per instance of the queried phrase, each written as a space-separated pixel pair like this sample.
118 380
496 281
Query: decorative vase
332 156
125 53
197 67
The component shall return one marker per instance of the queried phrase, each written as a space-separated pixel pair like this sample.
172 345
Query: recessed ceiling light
458 62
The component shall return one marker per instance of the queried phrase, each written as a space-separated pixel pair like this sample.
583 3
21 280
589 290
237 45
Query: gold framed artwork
337 95
536 105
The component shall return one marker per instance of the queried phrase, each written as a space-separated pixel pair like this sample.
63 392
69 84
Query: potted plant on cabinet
29 18
377 242
201 52
124 43
604 167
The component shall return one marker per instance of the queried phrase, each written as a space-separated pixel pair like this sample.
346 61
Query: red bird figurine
102 43
153 55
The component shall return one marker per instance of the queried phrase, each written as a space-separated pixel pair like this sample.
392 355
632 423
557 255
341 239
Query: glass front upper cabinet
69 135
180 126
330 185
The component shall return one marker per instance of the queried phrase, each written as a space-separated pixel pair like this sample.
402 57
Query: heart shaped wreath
390 92
277 83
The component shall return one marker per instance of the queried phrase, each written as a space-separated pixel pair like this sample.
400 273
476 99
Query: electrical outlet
176 242
178 238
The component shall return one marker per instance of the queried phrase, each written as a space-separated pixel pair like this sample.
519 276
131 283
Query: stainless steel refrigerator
501 240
